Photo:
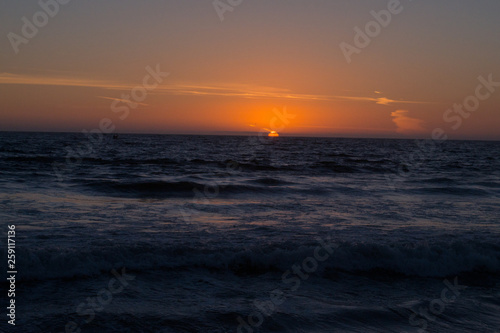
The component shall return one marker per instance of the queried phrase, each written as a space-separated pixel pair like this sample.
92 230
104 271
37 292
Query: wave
335 167
434 180
490 184
41 159
144 189
365 161
165 189
339 155
270 181
419 260
91 160
448 190
131 161
349 165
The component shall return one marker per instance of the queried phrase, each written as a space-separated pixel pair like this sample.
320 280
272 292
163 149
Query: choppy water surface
240 234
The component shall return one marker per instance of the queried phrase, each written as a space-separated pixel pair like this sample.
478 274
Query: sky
364 68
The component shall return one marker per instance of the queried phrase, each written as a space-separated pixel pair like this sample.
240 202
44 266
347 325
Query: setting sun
273 134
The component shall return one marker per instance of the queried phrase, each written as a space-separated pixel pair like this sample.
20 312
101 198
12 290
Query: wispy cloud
122 100
237 90
229 90
345 128
172 88
8 78
406 124
378 100
247 91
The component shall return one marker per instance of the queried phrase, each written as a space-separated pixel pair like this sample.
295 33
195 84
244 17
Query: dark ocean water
151 233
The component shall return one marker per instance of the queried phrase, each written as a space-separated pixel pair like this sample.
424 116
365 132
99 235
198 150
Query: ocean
166 233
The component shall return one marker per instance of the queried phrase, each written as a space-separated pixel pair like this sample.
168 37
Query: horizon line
246 134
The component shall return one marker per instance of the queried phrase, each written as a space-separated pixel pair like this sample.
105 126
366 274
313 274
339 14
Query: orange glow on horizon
273 134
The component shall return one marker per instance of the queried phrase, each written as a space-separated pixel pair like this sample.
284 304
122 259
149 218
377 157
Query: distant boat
115 136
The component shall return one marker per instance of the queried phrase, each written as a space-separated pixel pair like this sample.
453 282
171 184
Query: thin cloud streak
344 128
228 90
122 100
7 78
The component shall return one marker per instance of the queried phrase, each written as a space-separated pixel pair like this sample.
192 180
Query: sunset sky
228 75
